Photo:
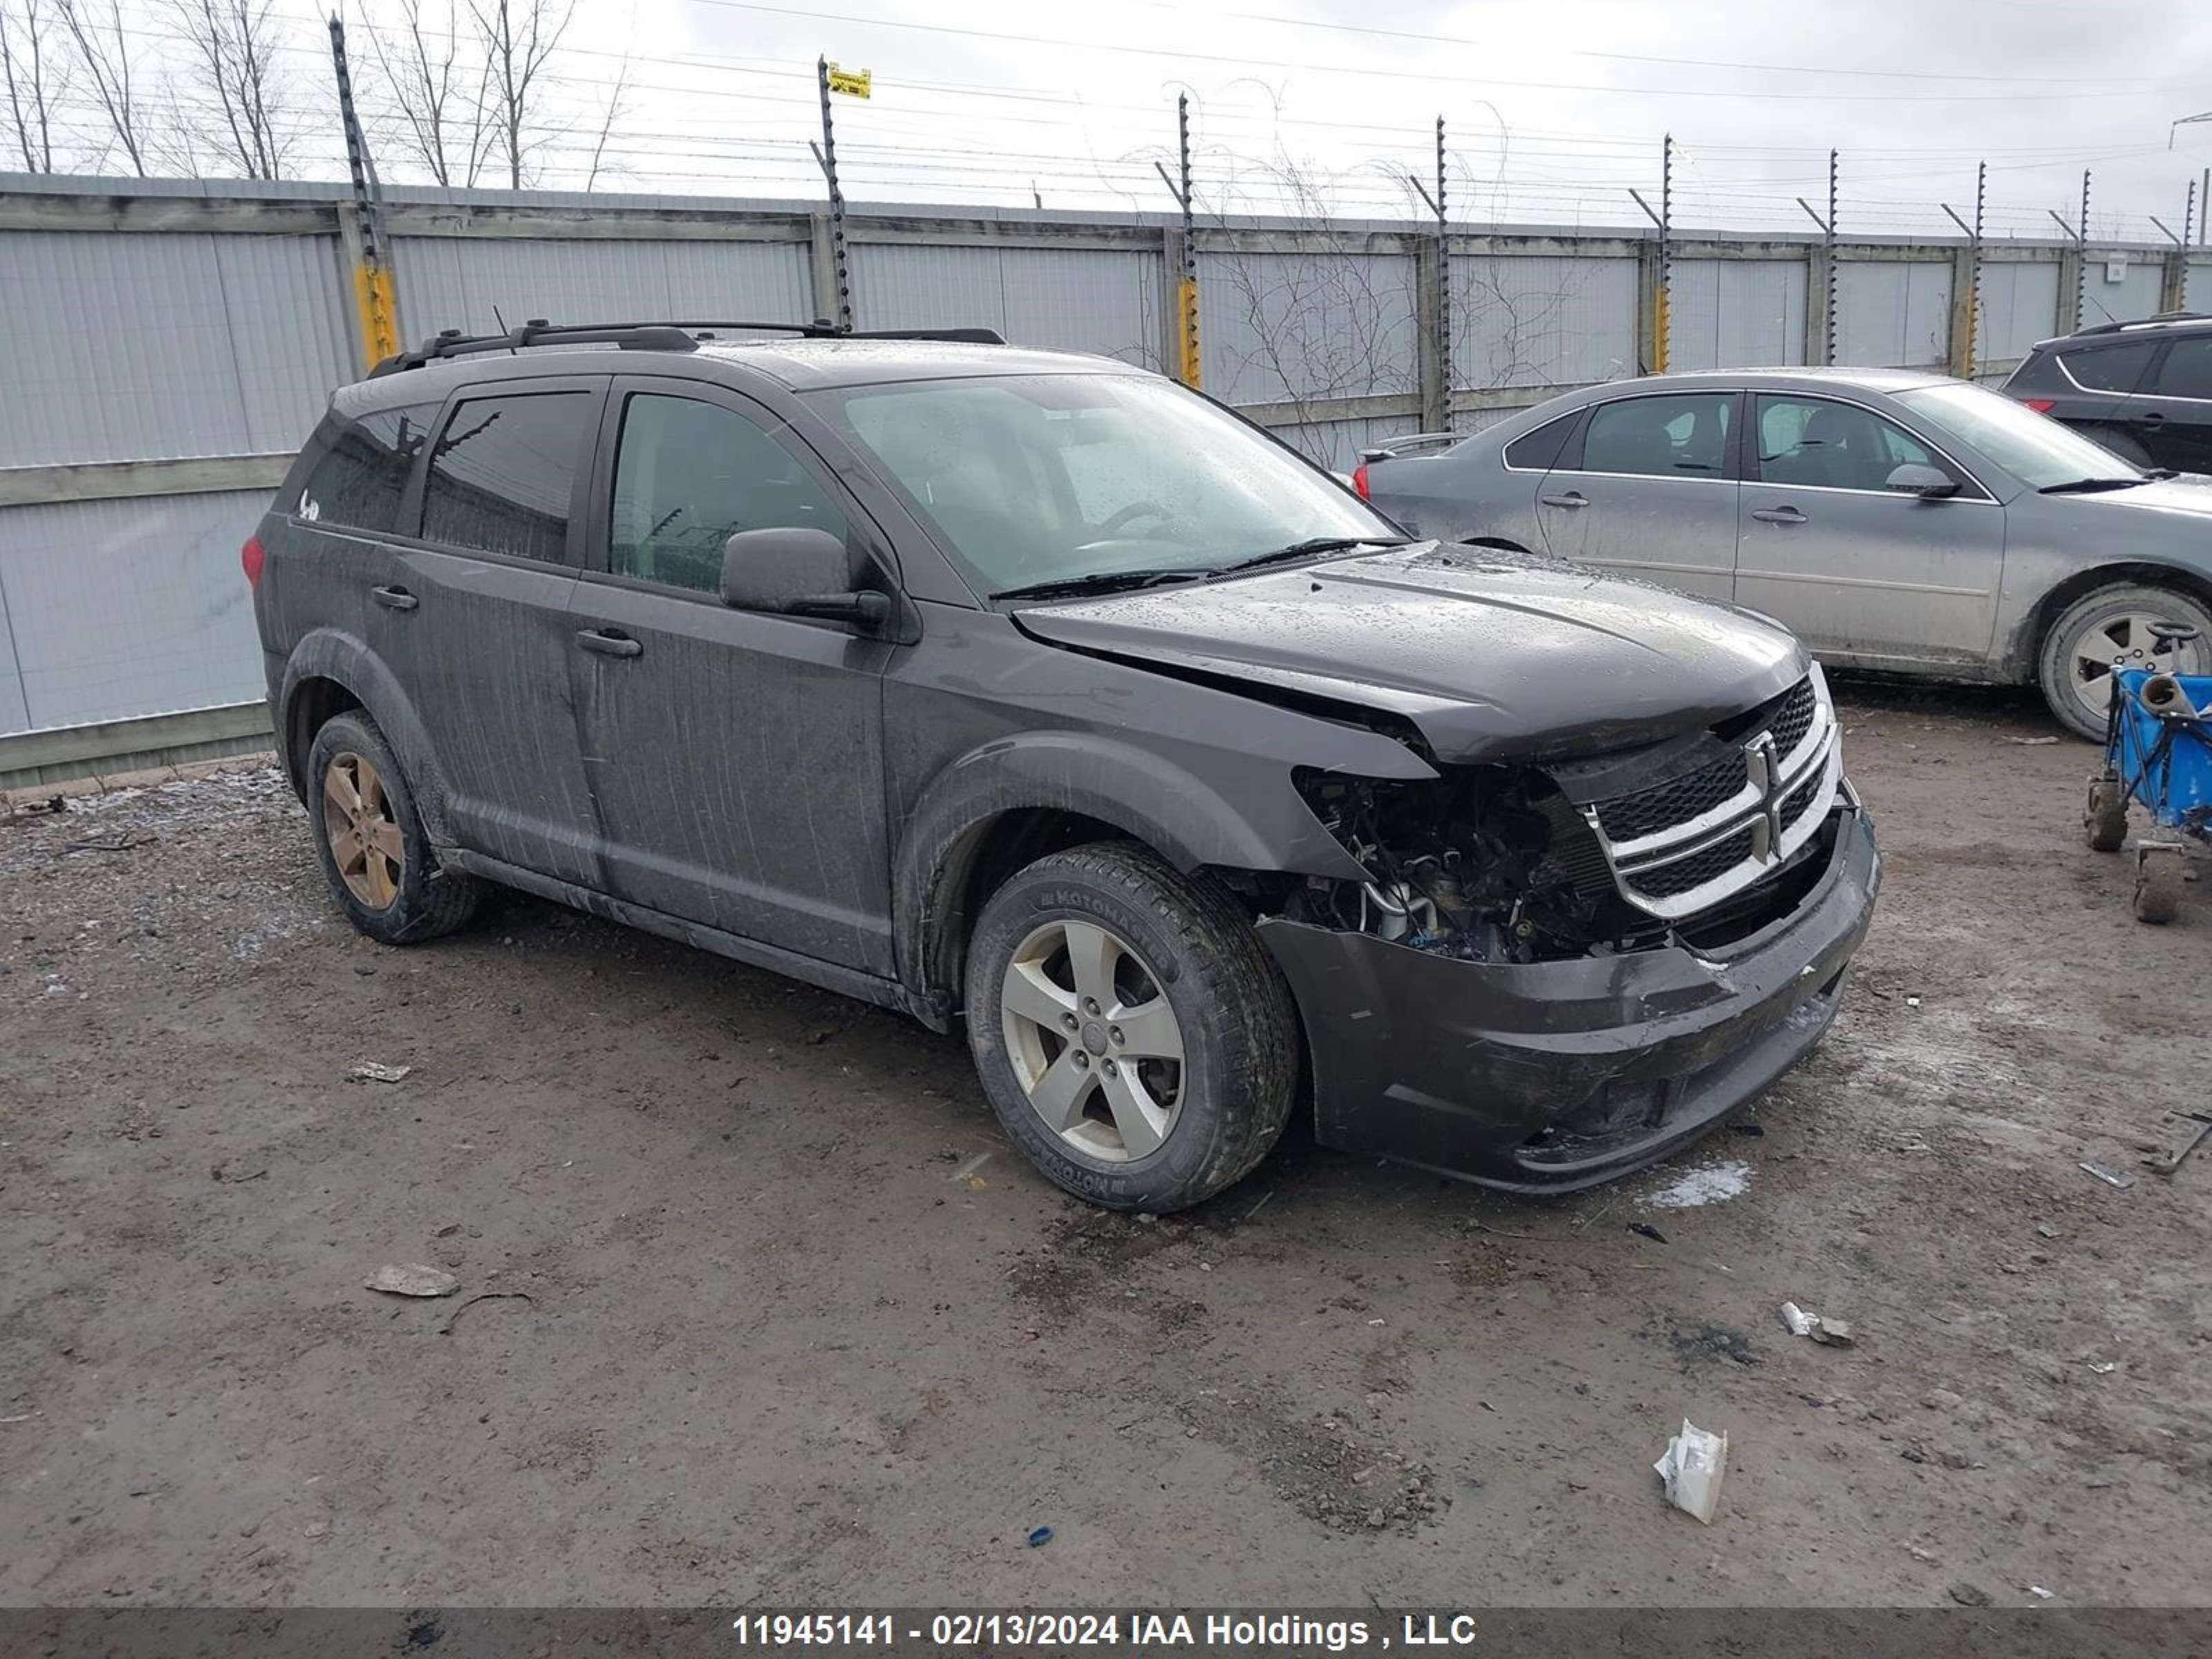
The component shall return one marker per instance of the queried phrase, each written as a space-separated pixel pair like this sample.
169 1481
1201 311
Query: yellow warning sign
854 83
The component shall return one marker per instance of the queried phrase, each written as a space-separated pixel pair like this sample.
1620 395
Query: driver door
735 759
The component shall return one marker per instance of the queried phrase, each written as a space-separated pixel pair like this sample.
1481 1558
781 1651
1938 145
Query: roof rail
651 336
2144 322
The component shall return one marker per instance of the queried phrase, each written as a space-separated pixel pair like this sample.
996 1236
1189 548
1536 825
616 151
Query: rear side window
1539 451
1672 437
2188 369
503 474
357 479
2113 368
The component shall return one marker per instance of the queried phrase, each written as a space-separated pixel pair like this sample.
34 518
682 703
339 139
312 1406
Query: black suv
1032 692
2142 389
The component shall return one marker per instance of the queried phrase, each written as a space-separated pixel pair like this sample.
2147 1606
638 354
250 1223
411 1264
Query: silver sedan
1899 521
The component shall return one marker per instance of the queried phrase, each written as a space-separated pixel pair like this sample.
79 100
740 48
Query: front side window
357 481
503 473
2112 368
1814 442
688 475
1033 478
1678 437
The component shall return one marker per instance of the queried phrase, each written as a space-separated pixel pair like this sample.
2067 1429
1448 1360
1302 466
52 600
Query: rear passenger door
735 757
1648 488
478 613
2173 412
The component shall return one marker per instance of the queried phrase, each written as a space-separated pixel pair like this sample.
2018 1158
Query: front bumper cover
1549 1076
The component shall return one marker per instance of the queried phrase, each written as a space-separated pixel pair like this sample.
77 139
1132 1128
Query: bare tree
444 125
615 113
518 36
35 77
233 54
104 51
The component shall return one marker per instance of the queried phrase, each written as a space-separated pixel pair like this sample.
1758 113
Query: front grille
1647 811
1800 797
1670 880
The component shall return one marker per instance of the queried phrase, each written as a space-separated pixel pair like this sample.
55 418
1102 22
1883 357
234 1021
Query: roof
799 362
1866 380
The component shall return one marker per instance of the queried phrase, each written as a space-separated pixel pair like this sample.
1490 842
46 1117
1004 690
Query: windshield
1040 478
2034 448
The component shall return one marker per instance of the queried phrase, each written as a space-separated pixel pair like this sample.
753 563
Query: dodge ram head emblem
1766 778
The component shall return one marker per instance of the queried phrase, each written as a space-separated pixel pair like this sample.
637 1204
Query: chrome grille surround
1675 872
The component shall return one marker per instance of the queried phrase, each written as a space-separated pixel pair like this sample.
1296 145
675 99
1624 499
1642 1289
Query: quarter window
1682 437
2111 369
504 473
1813 442
1539 451
688 475
358 479
2188 369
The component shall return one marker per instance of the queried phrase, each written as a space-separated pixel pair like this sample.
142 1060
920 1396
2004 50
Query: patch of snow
1714 1184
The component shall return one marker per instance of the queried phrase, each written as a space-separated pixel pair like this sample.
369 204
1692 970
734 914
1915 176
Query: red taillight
2040 405
250 556
1359 480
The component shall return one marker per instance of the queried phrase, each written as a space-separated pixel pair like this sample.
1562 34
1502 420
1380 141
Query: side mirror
793 571
1929 483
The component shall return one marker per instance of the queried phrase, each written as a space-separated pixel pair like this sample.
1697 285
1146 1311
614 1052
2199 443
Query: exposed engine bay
1492 864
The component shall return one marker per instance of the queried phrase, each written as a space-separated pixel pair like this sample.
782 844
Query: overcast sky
1555 107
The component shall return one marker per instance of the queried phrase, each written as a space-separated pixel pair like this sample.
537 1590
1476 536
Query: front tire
1129 1029
374 855
2110 624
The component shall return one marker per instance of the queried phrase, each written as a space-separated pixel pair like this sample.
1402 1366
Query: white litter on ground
1714 1184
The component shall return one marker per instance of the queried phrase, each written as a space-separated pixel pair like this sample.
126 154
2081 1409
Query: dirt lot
778 1317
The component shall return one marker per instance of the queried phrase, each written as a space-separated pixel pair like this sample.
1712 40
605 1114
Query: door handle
1573 498
1779 515
394 598
608 643
2150 417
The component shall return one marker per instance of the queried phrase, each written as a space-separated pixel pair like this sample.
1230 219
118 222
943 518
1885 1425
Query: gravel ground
755 1304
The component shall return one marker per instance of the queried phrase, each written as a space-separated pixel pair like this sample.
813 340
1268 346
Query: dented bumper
1554 1075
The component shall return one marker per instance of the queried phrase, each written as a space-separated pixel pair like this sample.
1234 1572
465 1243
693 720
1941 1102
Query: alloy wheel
366 845
1093 1041
2126 639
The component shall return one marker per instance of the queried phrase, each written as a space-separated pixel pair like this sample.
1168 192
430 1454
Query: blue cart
2158 752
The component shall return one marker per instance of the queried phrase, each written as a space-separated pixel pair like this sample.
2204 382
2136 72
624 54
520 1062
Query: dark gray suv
2142 389
1026 691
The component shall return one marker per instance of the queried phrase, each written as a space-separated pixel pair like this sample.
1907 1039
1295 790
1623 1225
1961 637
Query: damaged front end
1556 972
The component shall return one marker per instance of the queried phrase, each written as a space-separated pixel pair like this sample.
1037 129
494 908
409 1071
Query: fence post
361 232
1433 358
822 240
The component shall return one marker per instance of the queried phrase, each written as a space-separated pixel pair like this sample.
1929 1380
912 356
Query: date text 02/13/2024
1227 1632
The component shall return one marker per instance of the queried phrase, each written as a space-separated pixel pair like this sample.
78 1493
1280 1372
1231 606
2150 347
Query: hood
2188 496
1489 654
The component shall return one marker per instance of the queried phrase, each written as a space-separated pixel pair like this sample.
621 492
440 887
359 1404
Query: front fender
330 654
1171 809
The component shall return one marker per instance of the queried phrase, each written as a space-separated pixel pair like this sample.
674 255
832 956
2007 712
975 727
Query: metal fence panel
120 347
2133 297
15 709
1736 313
1278 327
1541 321
2019 306
129 607
1893 313
2196 285
1069 299
450 282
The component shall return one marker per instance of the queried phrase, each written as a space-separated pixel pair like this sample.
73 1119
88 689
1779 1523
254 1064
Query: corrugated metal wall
2196 286
1893 314
2134 294
1737 313
161 345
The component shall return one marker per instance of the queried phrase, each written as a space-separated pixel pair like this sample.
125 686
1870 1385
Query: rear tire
378 864
1184 1094
2109 623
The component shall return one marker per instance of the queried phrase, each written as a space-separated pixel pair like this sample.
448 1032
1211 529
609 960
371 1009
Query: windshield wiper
2089 486
1103 582
1308 549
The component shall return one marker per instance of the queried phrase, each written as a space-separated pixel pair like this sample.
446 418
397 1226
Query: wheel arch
994 811
2022 656
329 673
